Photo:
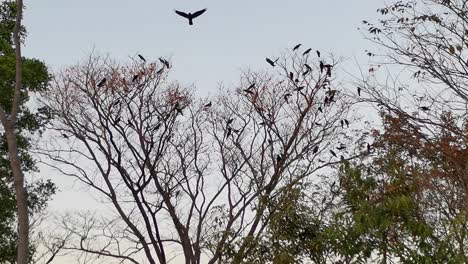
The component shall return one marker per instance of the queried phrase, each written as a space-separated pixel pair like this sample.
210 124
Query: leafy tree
35 78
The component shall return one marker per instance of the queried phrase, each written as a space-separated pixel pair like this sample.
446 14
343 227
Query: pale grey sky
230 36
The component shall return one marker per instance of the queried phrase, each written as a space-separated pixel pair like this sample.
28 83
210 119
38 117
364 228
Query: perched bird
272 63
135 77
65 136
296 47
291 76
117 120
208 105
315 150
425 108
141 57
333 153
346 122
320 109
359 91
101 83
248 91
306 52
297 89
190 16
228 131
278 158
341 147
318 53
308 69
328 66
286 96
115 103
165 62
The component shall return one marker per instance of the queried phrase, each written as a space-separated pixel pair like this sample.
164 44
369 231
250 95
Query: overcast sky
230 36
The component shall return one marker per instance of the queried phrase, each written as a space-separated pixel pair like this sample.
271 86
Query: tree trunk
18 176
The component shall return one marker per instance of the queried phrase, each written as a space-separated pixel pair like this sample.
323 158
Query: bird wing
198 13
180 13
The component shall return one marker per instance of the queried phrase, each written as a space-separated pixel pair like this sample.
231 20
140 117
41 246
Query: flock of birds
250 90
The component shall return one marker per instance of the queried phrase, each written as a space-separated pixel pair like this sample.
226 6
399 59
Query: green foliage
35 78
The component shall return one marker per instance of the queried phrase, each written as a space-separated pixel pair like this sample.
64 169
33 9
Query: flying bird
101 83
190 16
296 47
306 52
141 57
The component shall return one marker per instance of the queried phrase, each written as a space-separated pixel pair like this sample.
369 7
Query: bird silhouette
228 132
165 62
101 83
318 53
306 52
297 89
135 77
316 148
286 96
320 109
141 57
359 91
346 122
291 76
425 108
272 63
278 158
65 136
341 147
248 91
342 123
208 105
296 47
190 16
308 69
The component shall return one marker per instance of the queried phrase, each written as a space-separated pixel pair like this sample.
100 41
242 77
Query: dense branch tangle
185 174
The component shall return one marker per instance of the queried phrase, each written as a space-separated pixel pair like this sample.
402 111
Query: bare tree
188 175
8 119
426 42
